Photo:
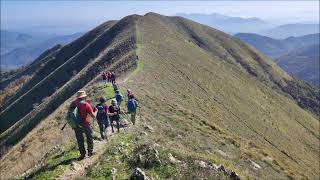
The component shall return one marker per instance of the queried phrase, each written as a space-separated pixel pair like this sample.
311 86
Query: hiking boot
81 157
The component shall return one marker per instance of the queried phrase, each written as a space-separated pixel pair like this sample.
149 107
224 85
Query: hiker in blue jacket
132 108
119 97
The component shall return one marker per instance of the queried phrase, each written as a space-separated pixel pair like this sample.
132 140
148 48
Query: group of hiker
108 76
106 116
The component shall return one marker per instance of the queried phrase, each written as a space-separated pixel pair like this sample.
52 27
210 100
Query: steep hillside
302 63
206 99
291 54
275 48
72 68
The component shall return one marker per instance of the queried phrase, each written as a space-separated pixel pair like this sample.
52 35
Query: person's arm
111 114
92 112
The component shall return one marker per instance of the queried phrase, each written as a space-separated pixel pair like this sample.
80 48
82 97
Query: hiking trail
78 168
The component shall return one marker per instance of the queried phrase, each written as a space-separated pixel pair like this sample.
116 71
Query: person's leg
133 117
111 123
101 128
89 134
80 141
118 125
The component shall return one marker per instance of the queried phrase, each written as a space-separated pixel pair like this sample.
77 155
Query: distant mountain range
233 25
18 49
229 24
11 40
287 30
297 55
303 63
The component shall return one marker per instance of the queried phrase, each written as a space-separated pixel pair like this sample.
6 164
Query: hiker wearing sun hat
84 109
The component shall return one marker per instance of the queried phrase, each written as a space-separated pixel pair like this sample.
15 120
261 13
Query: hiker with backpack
104 78
79 121
115 86
114 109
102 117
132 108
108 76
130 94
118 97
113 77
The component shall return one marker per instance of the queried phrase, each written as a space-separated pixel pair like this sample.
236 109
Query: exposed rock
148 128
156 145
173 159
114 170
75 166
147 156
255 165
221 153
138 174
201 163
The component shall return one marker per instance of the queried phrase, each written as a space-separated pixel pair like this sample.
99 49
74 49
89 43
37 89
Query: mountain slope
286 51
275 48
302 63
206 97
75 61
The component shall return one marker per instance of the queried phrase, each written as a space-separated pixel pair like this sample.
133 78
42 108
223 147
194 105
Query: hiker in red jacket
113 77
85 109
109 76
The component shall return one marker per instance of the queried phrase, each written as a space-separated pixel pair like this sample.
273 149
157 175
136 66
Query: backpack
113 109
118 97
74 118
131 105
101 114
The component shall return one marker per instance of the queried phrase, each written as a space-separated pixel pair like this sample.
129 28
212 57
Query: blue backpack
132 105
102 114
118 97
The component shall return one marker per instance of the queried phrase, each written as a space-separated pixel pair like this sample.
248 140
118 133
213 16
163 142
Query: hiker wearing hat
115 111
84 109
102 117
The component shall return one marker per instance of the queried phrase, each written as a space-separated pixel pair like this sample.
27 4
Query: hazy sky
82 15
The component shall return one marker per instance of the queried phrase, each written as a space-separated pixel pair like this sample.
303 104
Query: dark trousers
103 129
118 124
133 116
80 139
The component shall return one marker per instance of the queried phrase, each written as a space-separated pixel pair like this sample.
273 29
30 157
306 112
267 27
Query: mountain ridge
209 96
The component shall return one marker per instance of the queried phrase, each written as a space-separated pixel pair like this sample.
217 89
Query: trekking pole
64 126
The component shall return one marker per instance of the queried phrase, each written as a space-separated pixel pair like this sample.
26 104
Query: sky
79 16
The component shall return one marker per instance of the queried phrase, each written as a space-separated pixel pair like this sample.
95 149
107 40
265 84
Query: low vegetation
211 108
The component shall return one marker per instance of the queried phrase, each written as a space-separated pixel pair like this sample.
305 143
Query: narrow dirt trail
78 168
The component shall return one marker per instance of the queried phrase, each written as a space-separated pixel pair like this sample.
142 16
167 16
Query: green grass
109 93
57 163
139 49
117 155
